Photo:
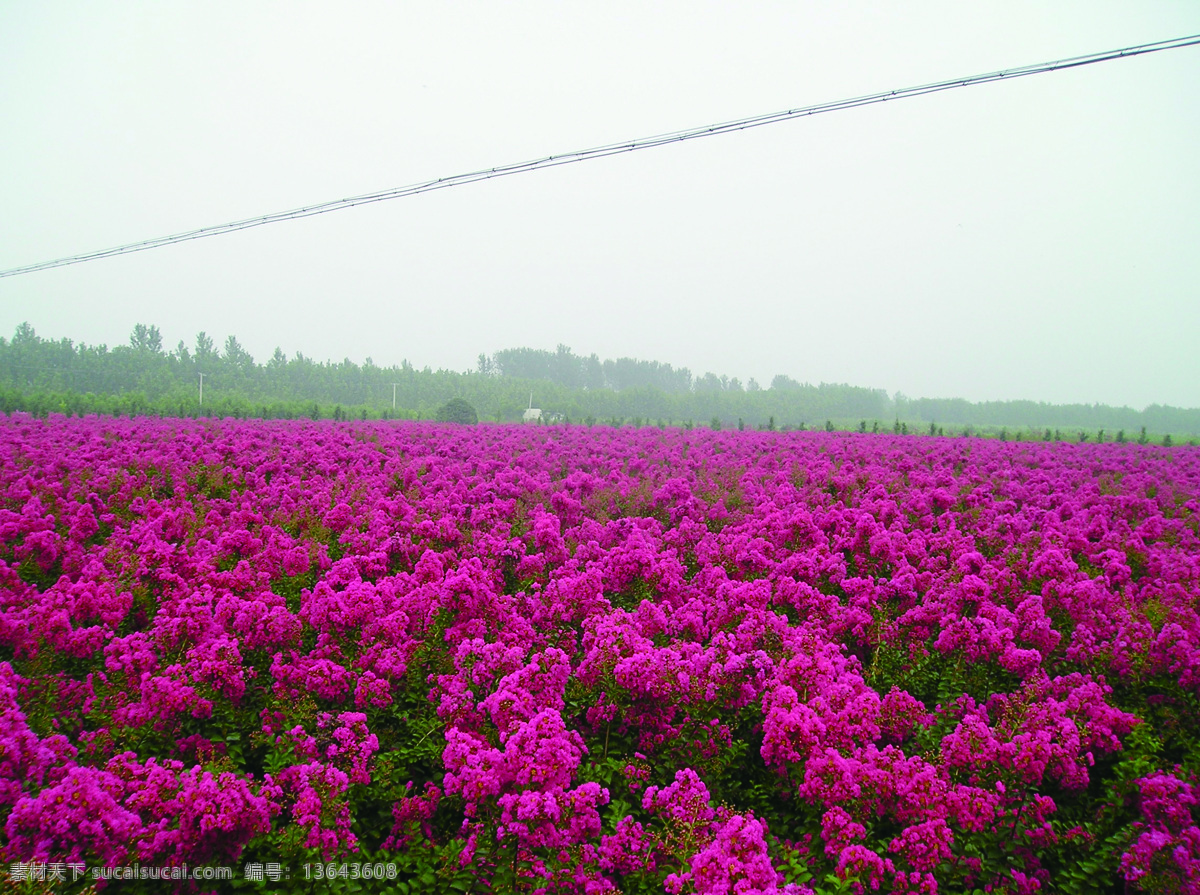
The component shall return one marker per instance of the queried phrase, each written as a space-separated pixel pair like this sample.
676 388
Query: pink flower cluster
722 662
1166 853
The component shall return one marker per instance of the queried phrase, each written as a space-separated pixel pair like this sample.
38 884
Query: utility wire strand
567 158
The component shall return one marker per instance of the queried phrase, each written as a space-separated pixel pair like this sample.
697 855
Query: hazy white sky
1032 239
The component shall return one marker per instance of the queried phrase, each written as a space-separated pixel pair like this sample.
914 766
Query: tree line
143 377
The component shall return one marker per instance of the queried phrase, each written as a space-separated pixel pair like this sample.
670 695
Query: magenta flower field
563 659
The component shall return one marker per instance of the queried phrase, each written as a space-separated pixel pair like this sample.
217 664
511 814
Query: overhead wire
566 158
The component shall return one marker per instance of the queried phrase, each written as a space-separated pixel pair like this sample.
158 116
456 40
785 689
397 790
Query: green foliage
43 376
457 410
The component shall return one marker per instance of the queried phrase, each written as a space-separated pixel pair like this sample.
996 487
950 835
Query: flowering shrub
590 660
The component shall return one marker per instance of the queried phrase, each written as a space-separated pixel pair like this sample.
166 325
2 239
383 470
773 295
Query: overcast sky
1033 239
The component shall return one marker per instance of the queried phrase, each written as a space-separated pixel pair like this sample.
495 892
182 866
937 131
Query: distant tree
862 426
828 426
1120 436
25 335
1166 440
236 354
933 428
593 373
146 338
205 349
565 368
457 410
1143 438
523 363
741 424
715 424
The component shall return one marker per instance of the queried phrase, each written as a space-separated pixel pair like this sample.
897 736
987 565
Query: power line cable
567 158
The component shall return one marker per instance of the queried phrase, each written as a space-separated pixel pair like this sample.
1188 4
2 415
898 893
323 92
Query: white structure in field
533 414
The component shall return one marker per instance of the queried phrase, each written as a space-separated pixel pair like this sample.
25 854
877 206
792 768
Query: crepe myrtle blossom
597 659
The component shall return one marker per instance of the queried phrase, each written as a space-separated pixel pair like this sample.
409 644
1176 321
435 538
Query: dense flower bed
587 660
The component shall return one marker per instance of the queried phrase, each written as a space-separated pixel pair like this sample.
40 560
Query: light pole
201 389
394 384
